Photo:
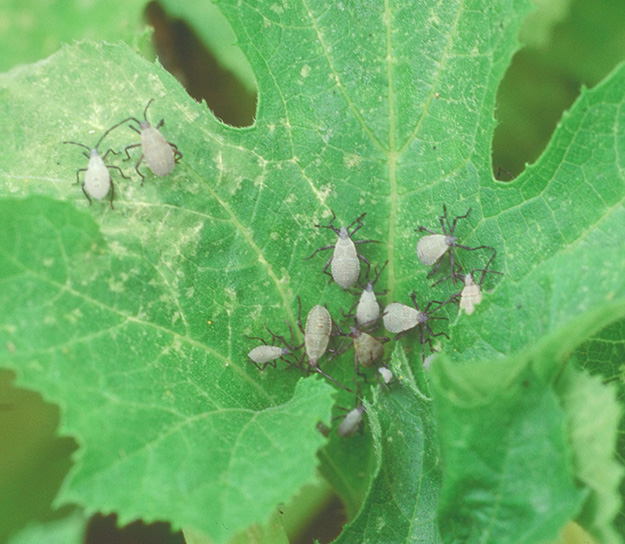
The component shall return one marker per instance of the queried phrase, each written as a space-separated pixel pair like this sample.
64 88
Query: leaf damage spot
115 286
74 316
352 161
277 8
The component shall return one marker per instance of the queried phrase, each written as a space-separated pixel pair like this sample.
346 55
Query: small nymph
97 182
268 354
368 308
401 319
160 154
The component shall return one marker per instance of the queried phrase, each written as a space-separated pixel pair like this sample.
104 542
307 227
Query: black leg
112 192
357 220
137 169
119 170
325 268
78 176
453 225
129 147
83 190
107 152
364 260
317 251
423 229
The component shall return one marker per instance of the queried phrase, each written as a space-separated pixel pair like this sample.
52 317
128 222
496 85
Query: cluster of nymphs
159 154
365 315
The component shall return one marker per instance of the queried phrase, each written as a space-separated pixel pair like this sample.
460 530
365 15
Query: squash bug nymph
368 309
316 338
386 374
368 349
432 247
160 154
268 354
401 319
352 422
97 182
345 266
471 294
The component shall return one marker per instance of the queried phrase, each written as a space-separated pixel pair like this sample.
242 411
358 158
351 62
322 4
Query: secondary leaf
69 530
594 416
37 30
507 470
33 459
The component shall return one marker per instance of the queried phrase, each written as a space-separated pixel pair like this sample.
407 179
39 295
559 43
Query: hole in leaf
566 45
182 52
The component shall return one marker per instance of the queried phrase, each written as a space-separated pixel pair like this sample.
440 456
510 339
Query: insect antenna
145 111
110 130
76 143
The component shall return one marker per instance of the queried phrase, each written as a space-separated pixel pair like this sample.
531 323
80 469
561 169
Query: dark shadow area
579 46
34 461
327 526
183 54
104 530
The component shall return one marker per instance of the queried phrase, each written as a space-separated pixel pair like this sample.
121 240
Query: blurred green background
567 44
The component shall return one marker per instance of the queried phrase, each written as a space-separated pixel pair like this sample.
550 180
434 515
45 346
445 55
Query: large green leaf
133 319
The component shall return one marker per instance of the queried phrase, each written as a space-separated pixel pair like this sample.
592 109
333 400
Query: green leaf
594 416
39 29
604 354
507 469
